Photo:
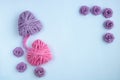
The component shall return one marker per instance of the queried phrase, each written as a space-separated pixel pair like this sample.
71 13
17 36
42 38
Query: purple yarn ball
96 10
108 24
18 52
108 37
84 10
107 13
28 24
21 67
39 72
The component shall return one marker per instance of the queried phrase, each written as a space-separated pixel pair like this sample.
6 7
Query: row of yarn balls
107 13
22 66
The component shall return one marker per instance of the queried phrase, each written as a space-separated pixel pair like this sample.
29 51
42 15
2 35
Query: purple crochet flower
96 10
107 13
21 67
39 72
84 10
18 52
108 24
108 37
28 24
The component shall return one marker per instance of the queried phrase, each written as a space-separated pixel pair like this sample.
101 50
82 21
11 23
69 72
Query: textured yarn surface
108 37
108 24
21 67
84 10
28 24
39 53
108 12
39 72
18 52
96 10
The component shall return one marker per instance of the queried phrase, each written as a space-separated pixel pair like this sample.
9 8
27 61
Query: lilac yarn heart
28 24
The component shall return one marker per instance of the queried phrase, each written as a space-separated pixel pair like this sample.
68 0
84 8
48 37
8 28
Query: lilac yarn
21 67
39 72
107 13
108 37
108 24
84 10
18 52
96 10
28 24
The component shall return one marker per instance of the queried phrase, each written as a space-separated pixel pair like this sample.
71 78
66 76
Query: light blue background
76 41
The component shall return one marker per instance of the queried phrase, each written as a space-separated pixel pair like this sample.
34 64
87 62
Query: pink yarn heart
39 53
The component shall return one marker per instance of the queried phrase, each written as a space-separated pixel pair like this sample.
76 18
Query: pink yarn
39 53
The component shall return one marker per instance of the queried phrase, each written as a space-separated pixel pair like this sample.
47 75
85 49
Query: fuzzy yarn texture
108 37
28 24
18 52
39 72
84 10
39 53
108 12
21 67
96 10
108 24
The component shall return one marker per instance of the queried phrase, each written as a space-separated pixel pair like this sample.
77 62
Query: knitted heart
39 45
28 24
39 54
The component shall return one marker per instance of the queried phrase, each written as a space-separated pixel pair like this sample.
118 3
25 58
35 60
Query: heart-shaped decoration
28 24
39 53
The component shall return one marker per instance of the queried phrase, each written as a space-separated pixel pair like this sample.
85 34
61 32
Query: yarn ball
84 10
39 72
107 13
28 24
18 52
39 53
96 10
108 37
108 24
21 67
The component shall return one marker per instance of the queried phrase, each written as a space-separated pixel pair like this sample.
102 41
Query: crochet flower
96 10
39 71
108 37
84 10
18 52
107 13
108 24
21 67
